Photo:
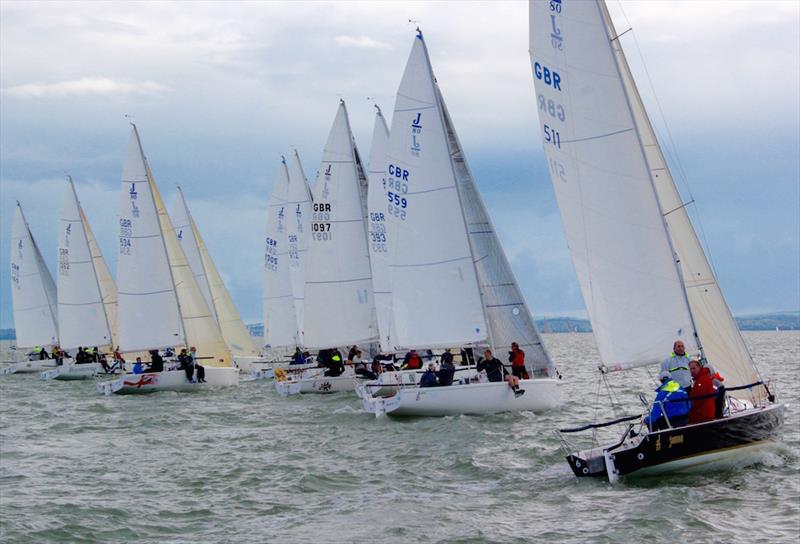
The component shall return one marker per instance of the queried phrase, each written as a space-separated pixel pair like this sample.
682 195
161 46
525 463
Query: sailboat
87 296
238 339
338 306
281 333
160 303
297 229
644 276
450 282
33 295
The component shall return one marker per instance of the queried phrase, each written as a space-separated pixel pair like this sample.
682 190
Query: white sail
183 230
435 297
81 311
298 225
108 289
378 231
614 228
148 313
33 292
719 335
280 322
339 308
507 313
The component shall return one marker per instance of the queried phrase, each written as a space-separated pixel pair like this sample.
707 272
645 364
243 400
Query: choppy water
243 465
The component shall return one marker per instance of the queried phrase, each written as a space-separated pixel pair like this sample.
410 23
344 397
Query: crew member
676 366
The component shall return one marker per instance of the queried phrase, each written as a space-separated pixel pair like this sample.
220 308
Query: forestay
183 230
339 308
719 335
435 297
614 228
81 311
507 313
378 232
298 225
280 322
33 292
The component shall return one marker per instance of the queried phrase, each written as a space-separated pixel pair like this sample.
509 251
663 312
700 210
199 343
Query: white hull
473 399
28 367
315 381
170 380
70 371
387 382
267 371
248 364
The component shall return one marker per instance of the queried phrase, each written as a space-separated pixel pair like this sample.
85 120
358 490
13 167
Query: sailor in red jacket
702 386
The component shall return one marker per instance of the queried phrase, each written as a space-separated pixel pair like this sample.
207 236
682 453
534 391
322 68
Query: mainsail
297 227
280 322
644 276
33 292
378 232
160 303
435 298
81 306
339 308
507 313
233 330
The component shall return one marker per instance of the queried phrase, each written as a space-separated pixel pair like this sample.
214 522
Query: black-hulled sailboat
644 276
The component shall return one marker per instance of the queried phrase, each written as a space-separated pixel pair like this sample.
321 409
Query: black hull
683 445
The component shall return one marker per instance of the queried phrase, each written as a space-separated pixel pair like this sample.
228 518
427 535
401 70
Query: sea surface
242 465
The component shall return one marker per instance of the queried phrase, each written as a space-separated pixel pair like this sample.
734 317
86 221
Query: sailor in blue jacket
669 395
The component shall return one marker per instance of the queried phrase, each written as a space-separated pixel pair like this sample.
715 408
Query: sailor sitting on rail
673 400
676 367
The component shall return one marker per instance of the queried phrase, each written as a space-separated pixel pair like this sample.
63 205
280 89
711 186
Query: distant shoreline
781 321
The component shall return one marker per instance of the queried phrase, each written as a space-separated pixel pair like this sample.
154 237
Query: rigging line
678 208
674 149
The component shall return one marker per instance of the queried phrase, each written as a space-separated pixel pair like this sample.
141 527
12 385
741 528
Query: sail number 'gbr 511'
548 99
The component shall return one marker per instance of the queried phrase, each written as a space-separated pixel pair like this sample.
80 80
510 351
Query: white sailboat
450 282
87 296
238 339
338 306
299 201
379 239
281 333
33 295
160 303
644 276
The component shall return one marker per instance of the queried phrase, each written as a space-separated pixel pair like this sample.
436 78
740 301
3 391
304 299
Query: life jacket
703 409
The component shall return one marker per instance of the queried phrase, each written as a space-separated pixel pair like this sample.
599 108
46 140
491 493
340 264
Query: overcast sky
220 90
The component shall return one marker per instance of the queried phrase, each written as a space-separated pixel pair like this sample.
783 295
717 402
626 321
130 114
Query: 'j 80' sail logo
416 130
556 39
134 195
298 213
67 234
281 219
19 249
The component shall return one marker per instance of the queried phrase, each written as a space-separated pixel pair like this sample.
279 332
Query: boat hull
387 382
29 367
314 381
471 399
684 449
69 371
170 380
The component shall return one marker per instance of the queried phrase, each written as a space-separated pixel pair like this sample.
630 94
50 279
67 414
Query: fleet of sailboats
402 255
